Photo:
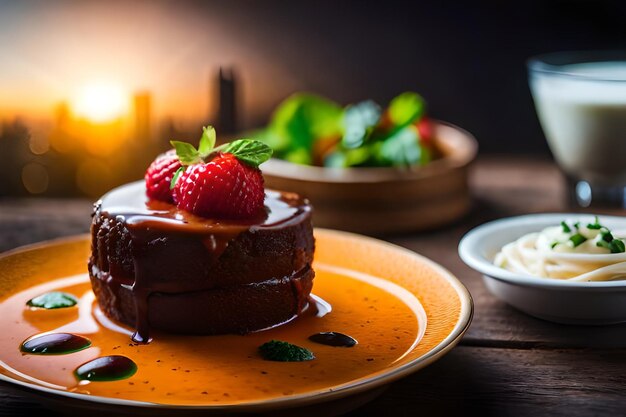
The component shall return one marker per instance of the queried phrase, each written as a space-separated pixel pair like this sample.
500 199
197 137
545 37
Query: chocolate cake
156 266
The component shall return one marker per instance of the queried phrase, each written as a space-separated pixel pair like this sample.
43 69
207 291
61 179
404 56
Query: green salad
312 130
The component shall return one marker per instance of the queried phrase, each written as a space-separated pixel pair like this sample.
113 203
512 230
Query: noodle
579 253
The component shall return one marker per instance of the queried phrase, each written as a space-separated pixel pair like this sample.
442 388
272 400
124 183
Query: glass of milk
580 99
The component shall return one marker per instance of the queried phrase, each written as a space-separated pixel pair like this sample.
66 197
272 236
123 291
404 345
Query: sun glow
101 102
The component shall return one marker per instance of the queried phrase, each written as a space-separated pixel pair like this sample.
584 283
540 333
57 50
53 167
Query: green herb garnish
577 239
595 225
276 350
554 245
617 246
248 151
177 174
52 300
607 241
566 228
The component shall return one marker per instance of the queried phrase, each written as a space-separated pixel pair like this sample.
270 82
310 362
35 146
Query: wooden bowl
385 200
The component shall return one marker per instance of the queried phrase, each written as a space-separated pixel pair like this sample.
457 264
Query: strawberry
222 188
159 176
220 182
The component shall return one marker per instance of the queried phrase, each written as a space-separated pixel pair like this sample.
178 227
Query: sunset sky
62 50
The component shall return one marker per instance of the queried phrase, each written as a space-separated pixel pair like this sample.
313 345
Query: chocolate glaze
335 339
152 256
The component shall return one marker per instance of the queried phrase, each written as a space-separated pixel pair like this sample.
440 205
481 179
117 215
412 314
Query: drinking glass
580 98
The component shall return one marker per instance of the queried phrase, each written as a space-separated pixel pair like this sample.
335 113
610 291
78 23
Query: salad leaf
359 121
344 158
406 108
299 156
301 119
403 148
311 130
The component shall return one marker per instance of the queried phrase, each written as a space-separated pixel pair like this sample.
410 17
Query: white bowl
561 301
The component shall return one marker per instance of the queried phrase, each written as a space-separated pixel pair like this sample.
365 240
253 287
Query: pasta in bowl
566 268
575 251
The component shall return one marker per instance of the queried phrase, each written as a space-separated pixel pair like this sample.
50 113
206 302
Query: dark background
467 59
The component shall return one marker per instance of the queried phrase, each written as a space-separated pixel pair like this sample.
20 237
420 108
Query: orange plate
404 310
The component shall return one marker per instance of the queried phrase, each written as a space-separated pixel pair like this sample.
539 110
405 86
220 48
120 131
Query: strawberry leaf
186 152
175 177
207 141
248 151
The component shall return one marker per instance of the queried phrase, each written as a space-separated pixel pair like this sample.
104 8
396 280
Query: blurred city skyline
90 59
60 51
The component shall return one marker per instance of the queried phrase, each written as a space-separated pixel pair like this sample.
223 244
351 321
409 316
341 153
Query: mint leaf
359 120
406 108
52 300
175 177
186 152
207 141
276 350
251 152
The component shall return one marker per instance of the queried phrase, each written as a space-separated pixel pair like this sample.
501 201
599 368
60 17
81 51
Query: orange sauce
220 370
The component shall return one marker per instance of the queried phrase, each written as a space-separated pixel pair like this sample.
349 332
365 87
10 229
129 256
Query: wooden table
507 364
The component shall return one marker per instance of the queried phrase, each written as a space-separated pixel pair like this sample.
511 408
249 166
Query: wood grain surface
508 364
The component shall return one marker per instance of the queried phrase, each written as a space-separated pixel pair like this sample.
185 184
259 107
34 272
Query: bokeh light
35 178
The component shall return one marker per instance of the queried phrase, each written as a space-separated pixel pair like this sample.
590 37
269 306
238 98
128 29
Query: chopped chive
553 245
606 235
566 228
577 225
603 244
577 239
596 225
617 246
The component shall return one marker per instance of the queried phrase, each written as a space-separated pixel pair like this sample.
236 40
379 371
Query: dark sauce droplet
55 344
333 339
106 368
